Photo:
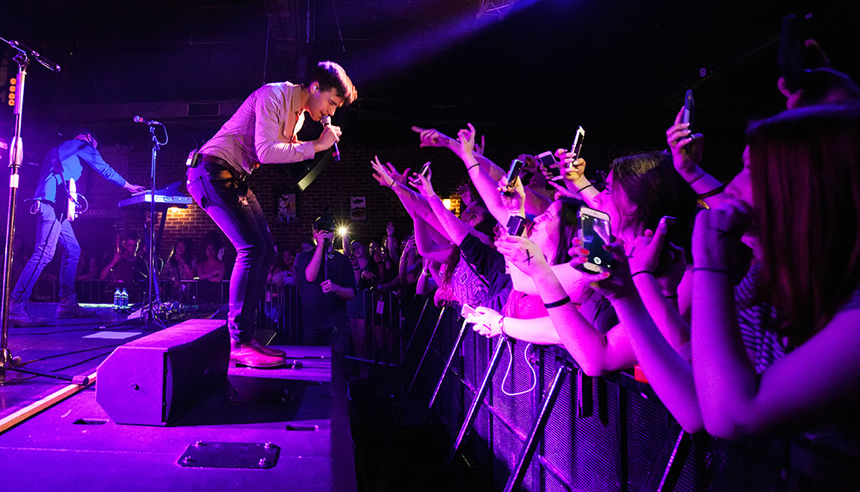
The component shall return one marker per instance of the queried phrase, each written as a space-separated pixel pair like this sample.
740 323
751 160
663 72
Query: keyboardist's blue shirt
67 162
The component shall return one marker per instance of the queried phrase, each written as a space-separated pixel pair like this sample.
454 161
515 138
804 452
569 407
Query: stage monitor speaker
160 377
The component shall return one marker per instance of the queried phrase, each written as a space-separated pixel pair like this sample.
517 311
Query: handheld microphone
335 152
138 119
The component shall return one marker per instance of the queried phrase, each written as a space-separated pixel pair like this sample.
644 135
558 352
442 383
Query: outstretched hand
432 137
386 174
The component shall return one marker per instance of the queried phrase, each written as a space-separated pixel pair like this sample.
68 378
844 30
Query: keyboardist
54 206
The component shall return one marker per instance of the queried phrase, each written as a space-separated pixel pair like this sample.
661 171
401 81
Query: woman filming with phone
640 190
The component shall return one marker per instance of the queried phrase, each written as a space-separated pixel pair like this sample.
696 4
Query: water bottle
116 299
124 299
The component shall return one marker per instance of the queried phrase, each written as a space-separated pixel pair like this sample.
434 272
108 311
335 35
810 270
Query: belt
212 163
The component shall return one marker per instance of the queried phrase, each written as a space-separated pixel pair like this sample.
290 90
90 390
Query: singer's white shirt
263 130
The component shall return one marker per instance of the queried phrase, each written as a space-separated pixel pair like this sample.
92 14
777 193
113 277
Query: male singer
262 131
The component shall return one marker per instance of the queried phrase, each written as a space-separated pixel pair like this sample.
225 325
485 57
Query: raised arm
454 228
413 202
686 151
427 246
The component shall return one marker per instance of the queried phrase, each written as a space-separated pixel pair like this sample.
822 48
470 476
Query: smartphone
513 174
514 170
425 170
577 142
468 310
547 161
689 109
594 233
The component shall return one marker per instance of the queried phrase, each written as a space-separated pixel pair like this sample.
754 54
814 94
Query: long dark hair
188 256
651 182
806 189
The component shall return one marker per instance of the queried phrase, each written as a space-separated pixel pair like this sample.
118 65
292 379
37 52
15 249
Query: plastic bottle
116 299
124 299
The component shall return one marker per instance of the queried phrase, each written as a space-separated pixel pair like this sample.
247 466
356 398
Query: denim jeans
49 231
227 199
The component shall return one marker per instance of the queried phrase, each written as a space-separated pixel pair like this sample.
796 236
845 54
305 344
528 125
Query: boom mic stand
153 293
16 157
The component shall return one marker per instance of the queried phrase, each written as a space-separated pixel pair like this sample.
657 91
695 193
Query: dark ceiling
618 67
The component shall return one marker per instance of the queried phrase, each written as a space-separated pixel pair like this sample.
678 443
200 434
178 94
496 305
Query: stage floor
301 413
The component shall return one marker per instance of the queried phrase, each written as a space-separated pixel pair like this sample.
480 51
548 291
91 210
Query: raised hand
467 141
686 148
513 196
423 184
572 167
386 174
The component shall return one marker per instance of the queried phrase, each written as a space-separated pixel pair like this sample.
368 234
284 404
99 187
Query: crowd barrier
528 412
566 431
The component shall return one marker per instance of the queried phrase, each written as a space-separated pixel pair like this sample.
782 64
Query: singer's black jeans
225 196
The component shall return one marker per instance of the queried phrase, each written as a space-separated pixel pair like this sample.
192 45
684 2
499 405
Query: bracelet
502 326
712 270
589 185
649 272
671 297
560 302
392 184
715 191
700 177
473 166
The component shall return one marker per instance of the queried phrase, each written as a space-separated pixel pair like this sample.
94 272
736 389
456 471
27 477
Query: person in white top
262 131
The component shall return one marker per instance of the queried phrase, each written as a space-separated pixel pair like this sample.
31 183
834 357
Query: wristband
590 185
473 166
715 191
712 270
670 296
502 326
560 302
642 271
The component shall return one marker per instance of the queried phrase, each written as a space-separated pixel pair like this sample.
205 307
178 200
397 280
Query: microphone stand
153 293
16 157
